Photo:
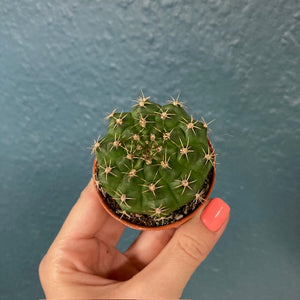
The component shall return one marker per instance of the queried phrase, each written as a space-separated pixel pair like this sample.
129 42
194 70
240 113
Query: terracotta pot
163 227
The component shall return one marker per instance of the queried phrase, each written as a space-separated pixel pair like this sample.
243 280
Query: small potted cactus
155 166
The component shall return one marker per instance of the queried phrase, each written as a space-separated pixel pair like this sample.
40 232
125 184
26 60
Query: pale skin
83 262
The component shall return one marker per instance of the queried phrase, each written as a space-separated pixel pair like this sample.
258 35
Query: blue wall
64 64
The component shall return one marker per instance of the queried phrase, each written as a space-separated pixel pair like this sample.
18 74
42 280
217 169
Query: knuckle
43 267
195 249
50 265
82 194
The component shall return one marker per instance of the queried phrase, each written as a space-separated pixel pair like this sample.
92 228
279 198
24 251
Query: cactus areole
154 166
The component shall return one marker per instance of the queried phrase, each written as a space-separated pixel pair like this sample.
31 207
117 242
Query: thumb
189 246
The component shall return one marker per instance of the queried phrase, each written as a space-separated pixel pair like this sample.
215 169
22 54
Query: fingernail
215 214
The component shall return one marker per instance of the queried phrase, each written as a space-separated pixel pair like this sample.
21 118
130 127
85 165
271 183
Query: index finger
86 217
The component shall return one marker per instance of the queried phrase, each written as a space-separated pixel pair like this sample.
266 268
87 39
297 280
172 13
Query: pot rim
157 228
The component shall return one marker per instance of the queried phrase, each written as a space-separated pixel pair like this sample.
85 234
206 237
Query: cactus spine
154 159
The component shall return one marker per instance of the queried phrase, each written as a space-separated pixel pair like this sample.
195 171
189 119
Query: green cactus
154 159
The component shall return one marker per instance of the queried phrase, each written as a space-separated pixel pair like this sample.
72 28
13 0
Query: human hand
84 263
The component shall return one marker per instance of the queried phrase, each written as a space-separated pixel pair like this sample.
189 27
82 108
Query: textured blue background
64 64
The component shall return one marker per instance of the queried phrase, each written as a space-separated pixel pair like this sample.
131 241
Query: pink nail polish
215 214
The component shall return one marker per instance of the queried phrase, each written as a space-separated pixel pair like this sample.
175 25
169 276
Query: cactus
153 160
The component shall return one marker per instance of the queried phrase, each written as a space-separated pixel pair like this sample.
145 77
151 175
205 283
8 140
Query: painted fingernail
215 214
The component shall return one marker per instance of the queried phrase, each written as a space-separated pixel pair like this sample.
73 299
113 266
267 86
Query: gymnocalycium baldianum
154 159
